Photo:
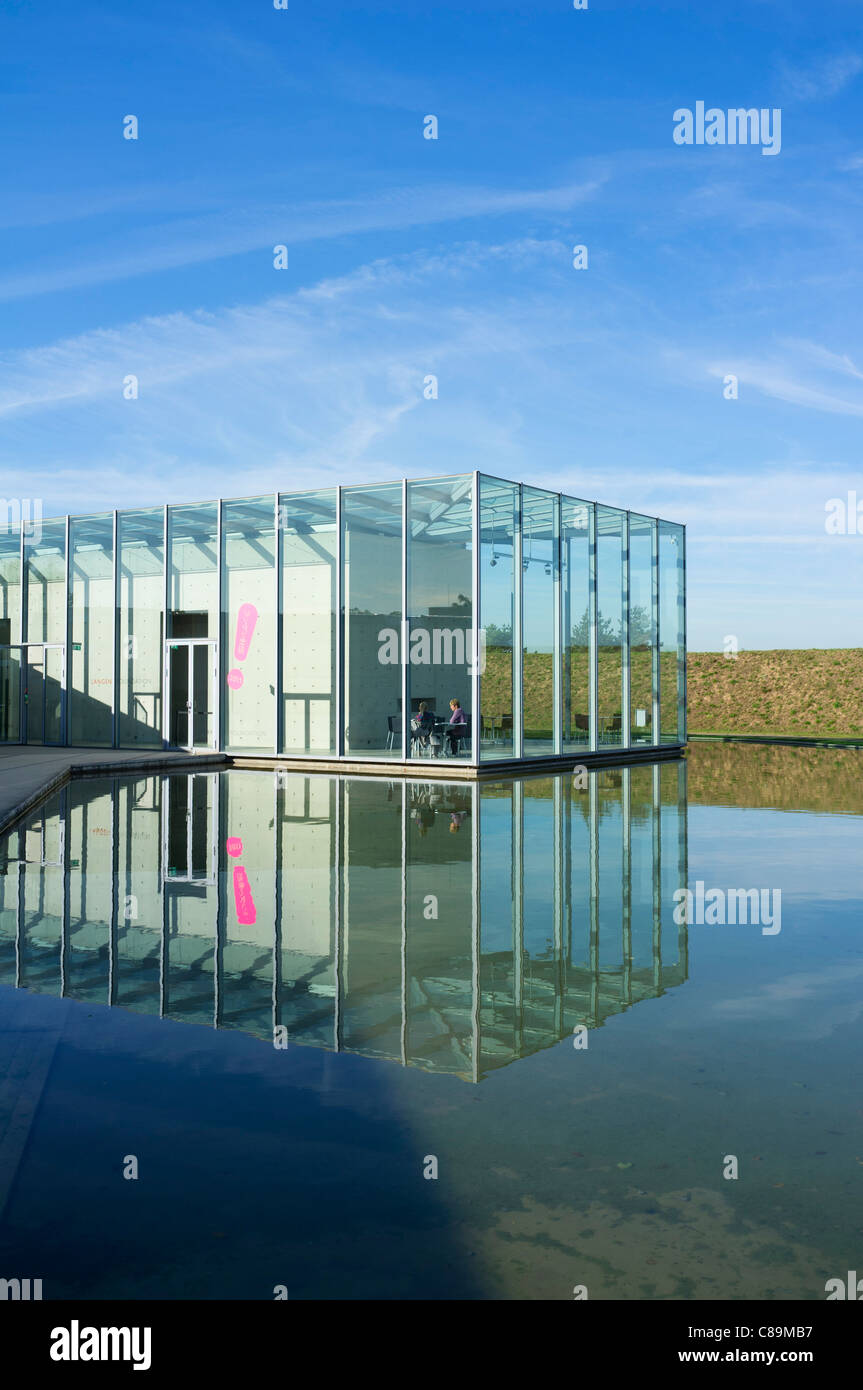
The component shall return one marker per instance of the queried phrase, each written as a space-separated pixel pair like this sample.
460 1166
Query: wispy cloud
192 241
822 79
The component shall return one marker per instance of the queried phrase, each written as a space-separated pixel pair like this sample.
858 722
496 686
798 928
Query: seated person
455 733
422 726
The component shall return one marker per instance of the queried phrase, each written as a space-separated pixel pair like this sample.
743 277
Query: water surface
285 996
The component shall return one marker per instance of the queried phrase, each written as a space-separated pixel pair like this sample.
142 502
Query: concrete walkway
29 773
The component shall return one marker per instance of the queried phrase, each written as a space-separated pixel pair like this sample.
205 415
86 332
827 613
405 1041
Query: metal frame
170 644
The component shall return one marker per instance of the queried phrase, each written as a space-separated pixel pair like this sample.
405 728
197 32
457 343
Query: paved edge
73 771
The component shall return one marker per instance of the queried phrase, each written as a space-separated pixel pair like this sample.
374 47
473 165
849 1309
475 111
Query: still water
373 1039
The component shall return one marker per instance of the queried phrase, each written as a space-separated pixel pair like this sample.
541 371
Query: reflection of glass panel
248 832
499 518
539 560
91 660
307 522
10 582
609 622
440 614
672 655
372 557
642 633
308 836
384 937
575 520
141 594
90 892
439 976
249 633
45 566
193 588
372 1011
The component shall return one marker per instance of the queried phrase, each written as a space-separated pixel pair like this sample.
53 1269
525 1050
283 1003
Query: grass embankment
802 693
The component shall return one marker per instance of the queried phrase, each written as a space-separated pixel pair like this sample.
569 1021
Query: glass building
454 619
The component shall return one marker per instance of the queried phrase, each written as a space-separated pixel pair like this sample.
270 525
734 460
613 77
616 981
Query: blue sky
451 257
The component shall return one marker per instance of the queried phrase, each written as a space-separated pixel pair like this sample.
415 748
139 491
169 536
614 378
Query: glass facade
456 619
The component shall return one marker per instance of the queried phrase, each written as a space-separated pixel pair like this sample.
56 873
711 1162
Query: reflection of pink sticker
246 914
235 679
234 846
246 620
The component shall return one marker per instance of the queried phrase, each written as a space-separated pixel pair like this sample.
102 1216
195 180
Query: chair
610 725
423 740
457 734
394 730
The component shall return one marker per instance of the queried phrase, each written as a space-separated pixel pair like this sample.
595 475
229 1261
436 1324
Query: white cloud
229 232
824 78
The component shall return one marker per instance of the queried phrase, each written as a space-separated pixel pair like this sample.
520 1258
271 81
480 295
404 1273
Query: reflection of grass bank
789 779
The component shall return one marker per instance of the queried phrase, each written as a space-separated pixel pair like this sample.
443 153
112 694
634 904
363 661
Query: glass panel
202 712
498 521
672 654
91 660
53 728
641 629
179 698
34 695
141 583
372 557
193 587
45 567
10 694
249 636
309 621
539 557
440 616
609 623
575 519
10 582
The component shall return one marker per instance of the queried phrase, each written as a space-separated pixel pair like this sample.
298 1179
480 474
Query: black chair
394 730
457 735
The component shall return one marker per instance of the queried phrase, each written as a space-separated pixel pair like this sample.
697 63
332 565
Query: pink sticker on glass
234 846
235 679
246 620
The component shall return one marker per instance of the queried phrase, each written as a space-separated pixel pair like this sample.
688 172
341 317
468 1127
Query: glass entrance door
44 687
10 694
190 684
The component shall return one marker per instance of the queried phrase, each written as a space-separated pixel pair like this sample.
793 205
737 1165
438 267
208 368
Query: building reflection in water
450 927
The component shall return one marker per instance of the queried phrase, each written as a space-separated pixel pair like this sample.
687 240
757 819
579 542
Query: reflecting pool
373 1038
